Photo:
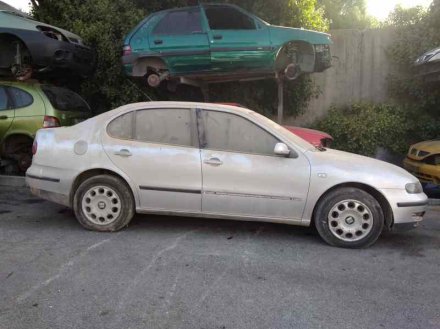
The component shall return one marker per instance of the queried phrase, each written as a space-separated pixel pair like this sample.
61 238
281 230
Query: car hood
430 56
428 148
348 167
27 23
289 33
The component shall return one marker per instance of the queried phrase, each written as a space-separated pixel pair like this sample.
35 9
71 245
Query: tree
347 14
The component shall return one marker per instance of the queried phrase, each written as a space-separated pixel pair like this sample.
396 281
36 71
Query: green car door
6 112
181 40
239 42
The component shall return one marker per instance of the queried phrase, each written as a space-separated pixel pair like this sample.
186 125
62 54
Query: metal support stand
205 92
280 82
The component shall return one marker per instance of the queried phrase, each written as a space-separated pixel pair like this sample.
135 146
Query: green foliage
103 24
417 32
361 128
347 14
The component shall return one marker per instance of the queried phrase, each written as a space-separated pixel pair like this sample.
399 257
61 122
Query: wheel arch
7 140
149 63
15 36
385 205
281 62
95 172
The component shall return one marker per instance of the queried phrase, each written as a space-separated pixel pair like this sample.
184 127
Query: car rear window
20 98
65 100
179 22
228 18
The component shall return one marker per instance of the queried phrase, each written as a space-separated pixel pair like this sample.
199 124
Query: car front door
241 174
6 112
181 40
237 40
157 149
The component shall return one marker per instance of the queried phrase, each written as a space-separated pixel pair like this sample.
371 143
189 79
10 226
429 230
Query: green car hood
281 35
18 21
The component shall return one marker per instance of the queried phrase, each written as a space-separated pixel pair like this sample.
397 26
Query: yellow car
423 161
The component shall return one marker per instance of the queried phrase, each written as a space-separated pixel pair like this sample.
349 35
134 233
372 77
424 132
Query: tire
104 203
349 218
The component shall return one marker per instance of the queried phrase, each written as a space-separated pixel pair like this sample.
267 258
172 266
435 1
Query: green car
217 43
26 107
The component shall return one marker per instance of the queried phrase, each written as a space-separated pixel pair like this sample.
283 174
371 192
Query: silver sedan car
211 160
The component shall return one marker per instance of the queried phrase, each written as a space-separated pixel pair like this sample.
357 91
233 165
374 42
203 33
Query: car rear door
158 150
241 174
181 40
237 40
6 112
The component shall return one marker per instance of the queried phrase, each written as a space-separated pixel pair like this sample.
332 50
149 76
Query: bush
362 128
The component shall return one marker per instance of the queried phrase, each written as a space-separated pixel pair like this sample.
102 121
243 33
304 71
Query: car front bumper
408 209
424 172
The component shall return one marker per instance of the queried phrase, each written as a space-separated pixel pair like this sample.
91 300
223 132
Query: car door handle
123 153
217 37
3 117
158 42
213 161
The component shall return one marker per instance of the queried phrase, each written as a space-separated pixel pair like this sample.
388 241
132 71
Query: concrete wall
359 72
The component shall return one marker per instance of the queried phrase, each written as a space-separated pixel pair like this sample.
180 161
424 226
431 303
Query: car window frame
12 98
202 29
193 129
252 17
202 136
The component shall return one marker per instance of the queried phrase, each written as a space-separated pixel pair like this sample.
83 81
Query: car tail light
126 50
51 122
34 147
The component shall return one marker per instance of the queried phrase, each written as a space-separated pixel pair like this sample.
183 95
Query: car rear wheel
104 203
349 218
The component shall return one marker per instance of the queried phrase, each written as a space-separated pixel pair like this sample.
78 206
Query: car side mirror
281 149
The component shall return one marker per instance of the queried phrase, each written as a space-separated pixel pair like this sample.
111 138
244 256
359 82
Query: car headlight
414 188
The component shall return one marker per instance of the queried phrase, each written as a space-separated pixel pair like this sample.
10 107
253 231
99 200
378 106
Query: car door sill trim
166 189
251 218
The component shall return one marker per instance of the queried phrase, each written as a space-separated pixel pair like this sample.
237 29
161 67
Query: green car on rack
26 107
217 43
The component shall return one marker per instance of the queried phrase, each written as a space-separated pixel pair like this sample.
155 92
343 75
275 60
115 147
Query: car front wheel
349 218
104 203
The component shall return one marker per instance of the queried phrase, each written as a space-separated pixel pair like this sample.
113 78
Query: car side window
164 126
230 132
4 100
179 22
121 127
228 18
20 98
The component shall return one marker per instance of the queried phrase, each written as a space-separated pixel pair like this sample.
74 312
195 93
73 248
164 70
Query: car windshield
65 100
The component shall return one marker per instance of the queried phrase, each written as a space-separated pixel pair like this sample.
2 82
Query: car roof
202 4
189 105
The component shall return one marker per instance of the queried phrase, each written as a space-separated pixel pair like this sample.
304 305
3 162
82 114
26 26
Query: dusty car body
26 107
423 161
210 160
428 65
220 42
30 48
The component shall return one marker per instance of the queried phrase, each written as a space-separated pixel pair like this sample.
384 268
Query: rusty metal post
280 82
